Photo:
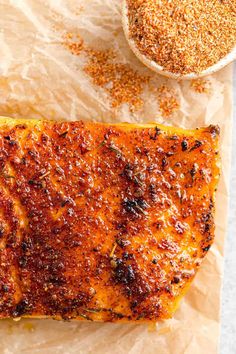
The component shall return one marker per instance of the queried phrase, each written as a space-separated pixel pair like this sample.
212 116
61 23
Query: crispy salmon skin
103 222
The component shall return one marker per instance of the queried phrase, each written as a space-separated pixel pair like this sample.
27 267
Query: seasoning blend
182 38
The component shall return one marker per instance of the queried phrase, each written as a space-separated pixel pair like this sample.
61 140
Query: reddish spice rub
183 36
103 222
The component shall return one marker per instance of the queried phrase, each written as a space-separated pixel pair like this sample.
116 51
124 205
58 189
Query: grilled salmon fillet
103 222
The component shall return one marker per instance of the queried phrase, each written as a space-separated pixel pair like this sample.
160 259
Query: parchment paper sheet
39 78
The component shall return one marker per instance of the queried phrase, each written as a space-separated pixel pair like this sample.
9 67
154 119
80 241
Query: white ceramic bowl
159 69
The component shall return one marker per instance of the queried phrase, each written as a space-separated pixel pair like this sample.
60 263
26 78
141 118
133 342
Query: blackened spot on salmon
37 184
207 227
179 227
135 285
5 288
193 171
133 304
206 217
26 245
123 243
175 280
205 249
23 161
156 133
22 261
197 144
128 172
21 308
170 153
164 162
124 274
58 280
153 192
184 145
214 130
33 154
12 142
135 206
125 256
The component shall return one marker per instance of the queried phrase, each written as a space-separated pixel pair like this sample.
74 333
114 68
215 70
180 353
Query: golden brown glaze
102 222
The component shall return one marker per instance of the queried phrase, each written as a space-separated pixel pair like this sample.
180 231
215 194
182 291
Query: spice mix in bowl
183 37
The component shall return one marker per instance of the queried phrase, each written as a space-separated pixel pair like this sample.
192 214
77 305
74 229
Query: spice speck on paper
74 43
167 99
200 85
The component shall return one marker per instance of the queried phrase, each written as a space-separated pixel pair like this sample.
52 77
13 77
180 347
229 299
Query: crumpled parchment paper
40 77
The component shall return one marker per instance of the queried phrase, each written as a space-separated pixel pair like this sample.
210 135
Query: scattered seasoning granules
200 85
120 81
75 44
168 102
183 36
